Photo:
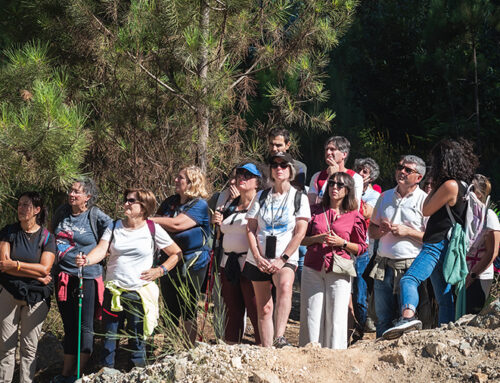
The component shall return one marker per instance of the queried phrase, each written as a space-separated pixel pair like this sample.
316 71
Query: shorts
253 273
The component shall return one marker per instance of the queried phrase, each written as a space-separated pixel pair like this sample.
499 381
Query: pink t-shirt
349 226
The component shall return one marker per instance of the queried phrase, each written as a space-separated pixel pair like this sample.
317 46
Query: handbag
340 264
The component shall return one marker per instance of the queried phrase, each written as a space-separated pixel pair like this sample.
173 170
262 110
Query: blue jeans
386 303
133 313
429 263
300 264
360 299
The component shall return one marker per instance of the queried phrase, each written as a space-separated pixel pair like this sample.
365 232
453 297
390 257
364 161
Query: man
399 224
369 170
336 153
279 141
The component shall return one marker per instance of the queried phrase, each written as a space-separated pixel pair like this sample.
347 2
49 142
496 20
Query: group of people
269 228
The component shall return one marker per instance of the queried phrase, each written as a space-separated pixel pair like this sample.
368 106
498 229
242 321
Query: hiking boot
63 379
281 342
402 326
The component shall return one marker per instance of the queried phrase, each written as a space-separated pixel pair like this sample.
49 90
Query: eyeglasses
75 191
332 183
244 174
406 169
130 200
282 165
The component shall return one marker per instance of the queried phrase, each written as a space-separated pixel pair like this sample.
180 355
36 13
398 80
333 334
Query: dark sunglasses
282 165
245 174
332 183
130 200
406 169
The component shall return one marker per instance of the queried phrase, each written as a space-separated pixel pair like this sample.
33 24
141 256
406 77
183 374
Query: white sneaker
402 326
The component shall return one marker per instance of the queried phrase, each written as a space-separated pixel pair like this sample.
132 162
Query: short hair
411 159
293 171
349 203
37 201
89 188
369 163
197 184
482 185
275 132
341 143
145 197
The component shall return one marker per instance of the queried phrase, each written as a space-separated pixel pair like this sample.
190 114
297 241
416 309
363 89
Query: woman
453 164
131 243
336 229
27 252
480 257
78 226
185 217
277 223
237 290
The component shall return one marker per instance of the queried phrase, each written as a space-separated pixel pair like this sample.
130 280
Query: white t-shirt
492 224
313 187
235 238
131 253
370 197
281 206
400 211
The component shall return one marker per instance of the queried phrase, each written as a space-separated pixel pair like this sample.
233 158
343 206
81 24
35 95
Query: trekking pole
80 301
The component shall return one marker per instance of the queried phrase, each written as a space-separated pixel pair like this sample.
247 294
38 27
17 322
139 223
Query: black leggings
181 294
69 315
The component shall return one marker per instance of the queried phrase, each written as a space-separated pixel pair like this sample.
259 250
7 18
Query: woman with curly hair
453 166
185 216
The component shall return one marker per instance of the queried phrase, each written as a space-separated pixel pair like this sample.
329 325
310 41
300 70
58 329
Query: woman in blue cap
237 290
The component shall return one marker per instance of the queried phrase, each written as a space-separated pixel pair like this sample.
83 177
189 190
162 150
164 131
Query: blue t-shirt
193 241
73 235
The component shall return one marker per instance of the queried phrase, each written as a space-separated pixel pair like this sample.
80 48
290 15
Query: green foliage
42 135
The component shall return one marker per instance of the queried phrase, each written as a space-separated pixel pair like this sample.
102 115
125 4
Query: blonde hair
197 184
145 197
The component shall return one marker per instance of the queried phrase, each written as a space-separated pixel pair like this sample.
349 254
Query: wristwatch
345 244
473 275
285 257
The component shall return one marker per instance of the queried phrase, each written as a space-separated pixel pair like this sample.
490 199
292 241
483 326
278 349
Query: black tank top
440 223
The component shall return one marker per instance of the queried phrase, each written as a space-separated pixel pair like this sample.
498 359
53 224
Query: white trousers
324 305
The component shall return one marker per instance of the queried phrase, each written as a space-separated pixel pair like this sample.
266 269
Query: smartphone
271 246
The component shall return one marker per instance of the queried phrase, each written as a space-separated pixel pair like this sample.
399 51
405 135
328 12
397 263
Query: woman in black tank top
453 167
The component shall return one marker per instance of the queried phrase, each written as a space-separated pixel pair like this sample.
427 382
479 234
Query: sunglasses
332 183
282 165
130 200
244 174
406 169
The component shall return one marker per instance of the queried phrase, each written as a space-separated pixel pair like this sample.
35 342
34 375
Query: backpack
296 201
65 210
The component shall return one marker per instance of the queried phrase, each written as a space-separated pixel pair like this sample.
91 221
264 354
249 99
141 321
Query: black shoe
281 342
402 326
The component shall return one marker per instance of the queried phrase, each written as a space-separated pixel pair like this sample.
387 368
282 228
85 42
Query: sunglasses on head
130 200
282 165
332 183
406 169
245 174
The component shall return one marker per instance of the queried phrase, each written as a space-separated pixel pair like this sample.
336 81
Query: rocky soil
465 351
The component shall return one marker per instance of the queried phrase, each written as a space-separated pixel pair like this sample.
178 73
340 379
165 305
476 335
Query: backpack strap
263 197
231 208
296 201
44 239
112 234
93 222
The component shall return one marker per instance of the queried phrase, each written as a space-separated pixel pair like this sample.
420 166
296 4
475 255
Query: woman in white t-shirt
480 258
130 293
276 226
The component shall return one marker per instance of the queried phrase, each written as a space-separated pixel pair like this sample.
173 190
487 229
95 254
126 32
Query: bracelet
165 270
18 265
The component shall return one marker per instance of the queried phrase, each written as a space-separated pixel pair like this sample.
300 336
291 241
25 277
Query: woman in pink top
337 227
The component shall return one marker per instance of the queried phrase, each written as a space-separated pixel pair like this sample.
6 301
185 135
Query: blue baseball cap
251 168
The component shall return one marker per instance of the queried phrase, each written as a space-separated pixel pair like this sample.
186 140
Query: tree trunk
202 111
476 96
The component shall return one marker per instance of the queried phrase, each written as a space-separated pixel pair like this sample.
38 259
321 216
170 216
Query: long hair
37 201
482 186
197 184
453 159
349 203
